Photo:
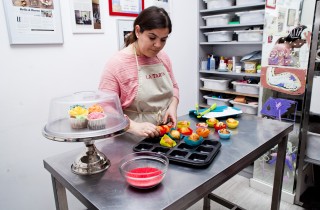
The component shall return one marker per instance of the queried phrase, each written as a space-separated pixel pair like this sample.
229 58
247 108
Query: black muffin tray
196 157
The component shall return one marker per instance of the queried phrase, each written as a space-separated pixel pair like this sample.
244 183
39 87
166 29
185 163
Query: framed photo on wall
86 16
129 8
33 22
271 4
291 17
125 27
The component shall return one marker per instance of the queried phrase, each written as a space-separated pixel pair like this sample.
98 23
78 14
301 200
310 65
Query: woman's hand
143 129
171 113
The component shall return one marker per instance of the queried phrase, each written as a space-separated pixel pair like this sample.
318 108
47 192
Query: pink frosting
96 115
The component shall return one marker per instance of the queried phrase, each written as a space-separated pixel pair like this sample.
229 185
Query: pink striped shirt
120 75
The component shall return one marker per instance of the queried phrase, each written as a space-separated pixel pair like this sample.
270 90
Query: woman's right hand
143 129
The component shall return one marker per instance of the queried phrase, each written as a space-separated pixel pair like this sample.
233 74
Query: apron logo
154 76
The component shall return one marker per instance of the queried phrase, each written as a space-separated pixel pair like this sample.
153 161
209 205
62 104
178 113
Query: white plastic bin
313 145
246 2
215 83
219 36
250 35
246 88
218 101
254 16
217 20
215 4
246 108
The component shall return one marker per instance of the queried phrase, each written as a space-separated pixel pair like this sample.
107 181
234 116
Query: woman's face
150 42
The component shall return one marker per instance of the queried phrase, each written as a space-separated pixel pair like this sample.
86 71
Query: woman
141 74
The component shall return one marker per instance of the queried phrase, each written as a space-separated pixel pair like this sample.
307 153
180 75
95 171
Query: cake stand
91 160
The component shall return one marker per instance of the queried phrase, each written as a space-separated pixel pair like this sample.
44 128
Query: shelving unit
307 191
226 49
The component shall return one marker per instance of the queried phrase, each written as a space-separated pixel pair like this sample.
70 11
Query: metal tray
196 157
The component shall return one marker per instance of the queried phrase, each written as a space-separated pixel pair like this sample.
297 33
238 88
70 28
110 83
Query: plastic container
215 83
215 4
246 108
313 145
218 101
254 16
246 88
248 2
217 20
194 157
250 35
219 36
69 116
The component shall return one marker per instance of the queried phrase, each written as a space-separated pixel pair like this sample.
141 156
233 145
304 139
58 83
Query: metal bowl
144 170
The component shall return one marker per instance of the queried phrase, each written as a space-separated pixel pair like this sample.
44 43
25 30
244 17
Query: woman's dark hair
150 18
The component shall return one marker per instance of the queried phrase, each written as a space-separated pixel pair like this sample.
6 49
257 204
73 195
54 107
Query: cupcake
95 108
78 116
97 120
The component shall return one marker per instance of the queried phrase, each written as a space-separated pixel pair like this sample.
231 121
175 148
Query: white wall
33 74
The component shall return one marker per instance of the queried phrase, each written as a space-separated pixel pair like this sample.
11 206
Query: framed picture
291 17
86 16
33 22
125 27
271 4
129 8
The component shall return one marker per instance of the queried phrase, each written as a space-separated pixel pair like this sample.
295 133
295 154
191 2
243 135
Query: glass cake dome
85 116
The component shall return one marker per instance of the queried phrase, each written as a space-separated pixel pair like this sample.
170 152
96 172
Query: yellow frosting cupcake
78 116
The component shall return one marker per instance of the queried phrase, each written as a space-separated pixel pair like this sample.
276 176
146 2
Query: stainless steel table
183 186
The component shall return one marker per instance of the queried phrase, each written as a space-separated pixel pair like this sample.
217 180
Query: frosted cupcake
97 120
78 116
95 108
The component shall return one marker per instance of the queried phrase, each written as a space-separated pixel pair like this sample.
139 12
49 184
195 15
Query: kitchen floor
238 191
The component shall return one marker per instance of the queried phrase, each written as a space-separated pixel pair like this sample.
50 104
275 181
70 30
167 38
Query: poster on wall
287 47
129 8
125 27
280 109
33 22
285 80
86 16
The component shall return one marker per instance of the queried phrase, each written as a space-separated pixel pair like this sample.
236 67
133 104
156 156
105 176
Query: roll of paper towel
318 53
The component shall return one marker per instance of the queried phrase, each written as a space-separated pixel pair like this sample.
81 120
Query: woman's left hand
171 113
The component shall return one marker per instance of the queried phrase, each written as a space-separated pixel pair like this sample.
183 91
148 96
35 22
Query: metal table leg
206 203
278 176
60 195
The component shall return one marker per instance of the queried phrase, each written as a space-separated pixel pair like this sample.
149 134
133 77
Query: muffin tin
197 157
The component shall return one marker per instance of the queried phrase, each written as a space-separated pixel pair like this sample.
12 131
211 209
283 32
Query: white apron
155 92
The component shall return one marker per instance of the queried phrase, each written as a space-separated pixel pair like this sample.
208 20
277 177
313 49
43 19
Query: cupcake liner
78 123
97 124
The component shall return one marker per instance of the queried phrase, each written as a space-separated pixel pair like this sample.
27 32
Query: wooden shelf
234 8
232 92
230 73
